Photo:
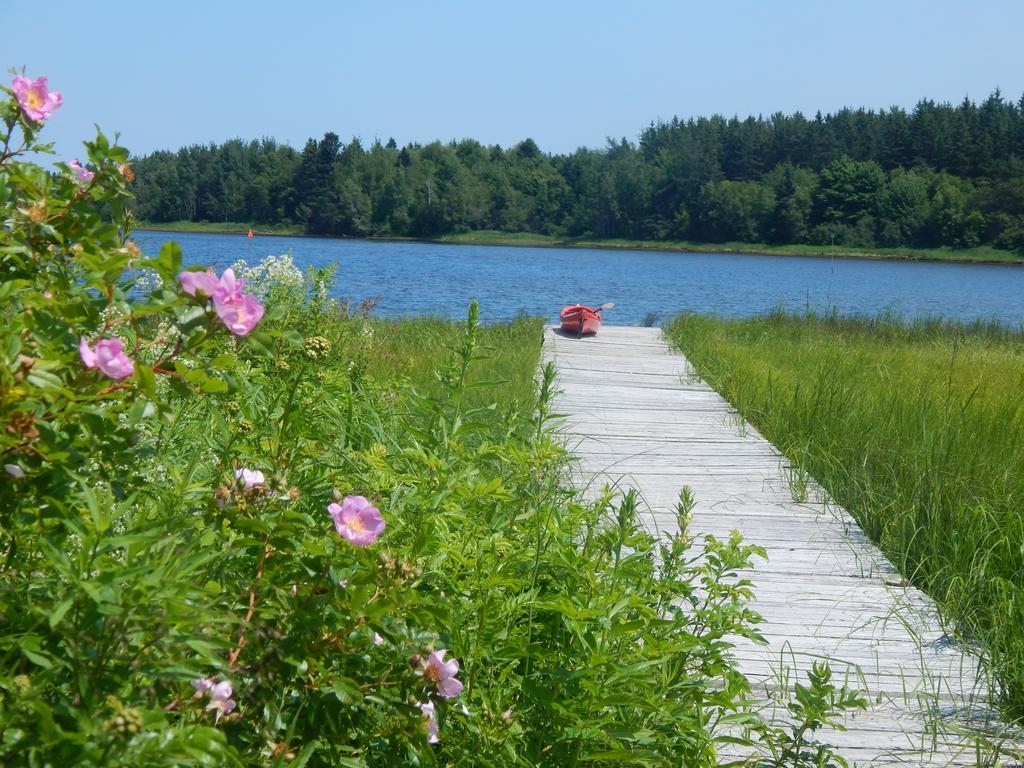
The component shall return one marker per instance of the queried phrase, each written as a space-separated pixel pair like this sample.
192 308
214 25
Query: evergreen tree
940 175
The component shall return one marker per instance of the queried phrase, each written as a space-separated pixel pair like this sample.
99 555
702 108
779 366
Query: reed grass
917 429
503 372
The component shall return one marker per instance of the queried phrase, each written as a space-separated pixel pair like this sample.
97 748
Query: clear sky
567 74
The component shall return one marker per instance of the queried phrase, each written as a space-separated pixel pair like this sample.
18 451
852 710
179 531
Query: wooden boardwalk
637 416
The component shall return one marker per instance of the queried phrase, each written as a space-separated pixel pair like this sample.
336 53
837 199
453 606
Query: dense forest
938 175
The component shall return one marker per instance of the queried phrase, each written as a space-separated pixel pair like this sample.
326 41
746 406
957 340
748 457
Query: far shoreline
977 255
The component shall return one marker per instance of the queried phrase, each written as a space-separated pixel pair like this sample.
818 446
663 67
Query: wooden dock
636 415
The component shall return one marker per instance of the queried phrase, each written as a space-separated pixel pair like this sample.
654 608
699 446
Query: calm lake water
433 279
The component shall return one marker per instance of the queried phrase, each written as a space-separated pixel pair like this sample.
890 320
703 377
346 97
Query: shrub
228 537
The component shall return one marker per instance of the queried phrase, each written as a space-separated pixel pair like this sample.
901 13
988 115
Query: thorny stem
267 551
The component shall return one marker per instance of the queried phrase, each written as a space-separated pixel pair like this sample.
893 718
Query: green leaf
274 313
303 757
146 379
346 690
59 611
214 386
12 347
168 263
45 380
224 362
37 658
8 287
191 318
261 343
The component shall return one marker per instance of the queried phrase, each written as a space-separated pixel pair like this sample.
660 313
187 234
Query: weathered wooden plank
636 416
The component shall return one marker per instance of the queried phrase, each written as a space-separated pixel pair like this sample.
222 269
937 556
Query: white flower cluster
273 273
320 290
147 281
167 331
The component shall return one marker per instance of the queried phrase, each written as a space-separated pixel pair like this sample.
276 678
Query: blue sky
567 74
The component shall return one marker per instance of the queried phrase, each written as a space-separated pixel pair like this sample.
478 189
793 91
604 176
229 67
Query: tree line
939 175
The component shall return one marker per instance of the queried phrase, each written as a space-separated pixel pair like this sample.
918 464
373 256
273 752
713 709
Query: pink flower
442 674
220 698
357 521
219 693
84 174
199 283
342 583
377 639
34 97
240 314
250 478
108 356
229 288
430 721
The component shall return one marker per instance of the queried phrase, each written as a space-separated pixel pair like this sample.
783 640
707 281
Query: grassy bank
223 227
979 255
918 430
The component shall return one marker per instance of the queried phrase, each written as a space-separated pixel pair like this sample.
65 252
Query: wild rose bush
144 587
224 541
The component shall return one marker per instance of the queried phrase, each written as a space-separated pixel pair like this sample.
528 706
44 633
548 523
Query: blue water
436 279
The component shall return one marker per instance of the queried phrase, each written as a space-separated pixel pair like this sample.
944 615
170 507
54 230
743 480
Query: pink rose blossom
108 356
241 314
250 478
199 283
430 721
34 97
84 174
225 288
230 287
357 521
442 674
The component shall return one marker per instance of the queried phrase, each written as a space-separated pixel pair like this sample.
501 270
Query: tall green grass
917 429
415 349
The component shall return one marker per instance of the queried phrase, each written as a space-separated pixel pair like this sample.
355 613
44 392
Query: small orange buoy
250 233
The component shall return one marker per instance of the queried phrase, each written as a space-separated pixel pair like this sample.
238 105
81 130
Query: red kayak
579 319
